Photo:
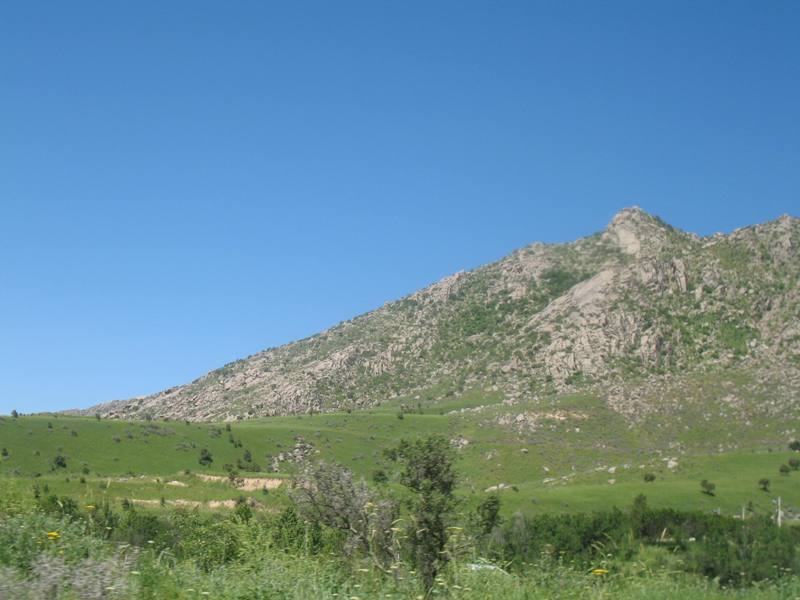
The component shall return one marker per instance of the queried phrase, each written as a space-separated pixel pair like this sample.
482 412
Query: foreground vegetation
409 535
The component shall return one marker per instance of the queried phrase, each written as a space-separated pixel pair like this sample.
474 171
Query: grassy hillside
549 470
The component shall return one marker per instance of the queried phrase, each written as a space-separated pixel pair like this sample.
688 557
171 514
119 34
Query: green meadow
547 473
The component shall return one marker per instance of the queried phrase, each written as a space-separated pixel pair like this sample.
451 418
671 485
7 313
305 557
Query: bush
649 477
379 476
741 553
707 487
205 457
329 494
488 514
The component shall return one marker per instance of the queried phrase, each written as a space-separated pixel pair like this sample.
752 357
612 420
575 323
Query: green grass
552 469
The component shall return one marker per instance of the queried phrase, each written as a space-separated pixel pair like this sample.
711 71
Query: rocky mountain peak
635 231
642 299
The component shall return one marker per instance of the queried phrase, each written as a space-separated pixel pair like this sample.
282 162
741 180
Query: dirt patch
180 502
248 484
221 503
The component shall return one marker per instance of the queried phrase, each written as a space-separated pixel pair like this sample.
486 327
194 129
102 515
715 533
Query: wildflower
599 572
90 507
53 535
363 570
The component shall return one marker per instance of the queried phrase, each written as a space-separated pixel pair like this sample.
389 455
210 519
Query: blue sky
186 183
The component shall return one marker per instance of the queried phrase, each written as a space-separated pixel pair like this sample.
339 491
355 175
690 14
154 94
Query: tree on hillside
428 472
59 462
795 445
708 488
763 483
649 477
784 469
205 457
14 414
794 463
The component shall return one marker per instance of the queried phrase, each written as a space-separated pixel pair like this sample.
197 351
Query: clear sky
187 183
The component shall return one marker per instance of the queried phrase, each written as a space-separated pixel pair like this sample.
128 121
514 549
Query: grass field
151 460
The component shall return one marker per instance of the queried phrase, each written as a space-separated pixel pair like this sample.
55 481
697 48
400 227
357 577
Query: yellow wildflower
599 572
53 535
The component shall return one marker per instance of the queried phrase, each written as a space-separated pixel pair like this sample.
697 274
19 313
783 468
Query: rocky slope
615 312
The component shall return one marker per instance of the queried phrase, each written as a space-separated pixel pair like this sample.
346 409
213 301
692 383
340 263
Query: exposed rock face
638 298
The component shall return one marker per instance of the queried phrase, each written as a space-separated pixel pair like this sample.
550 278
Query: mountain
649 321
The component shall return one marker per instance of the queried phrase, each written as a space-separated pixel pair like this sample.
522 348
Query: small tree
329 494
708 488
488 514
795 445
4 452
428 472
59 462
763 483
784 469
247 456
14 414
794 463
649 477
205 457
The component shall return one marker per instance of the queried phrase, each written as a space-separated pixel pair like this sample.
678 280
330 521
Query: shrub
784 469
707 487
379 476
649 477
328 494
763 483
205 457
743 552
488 514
